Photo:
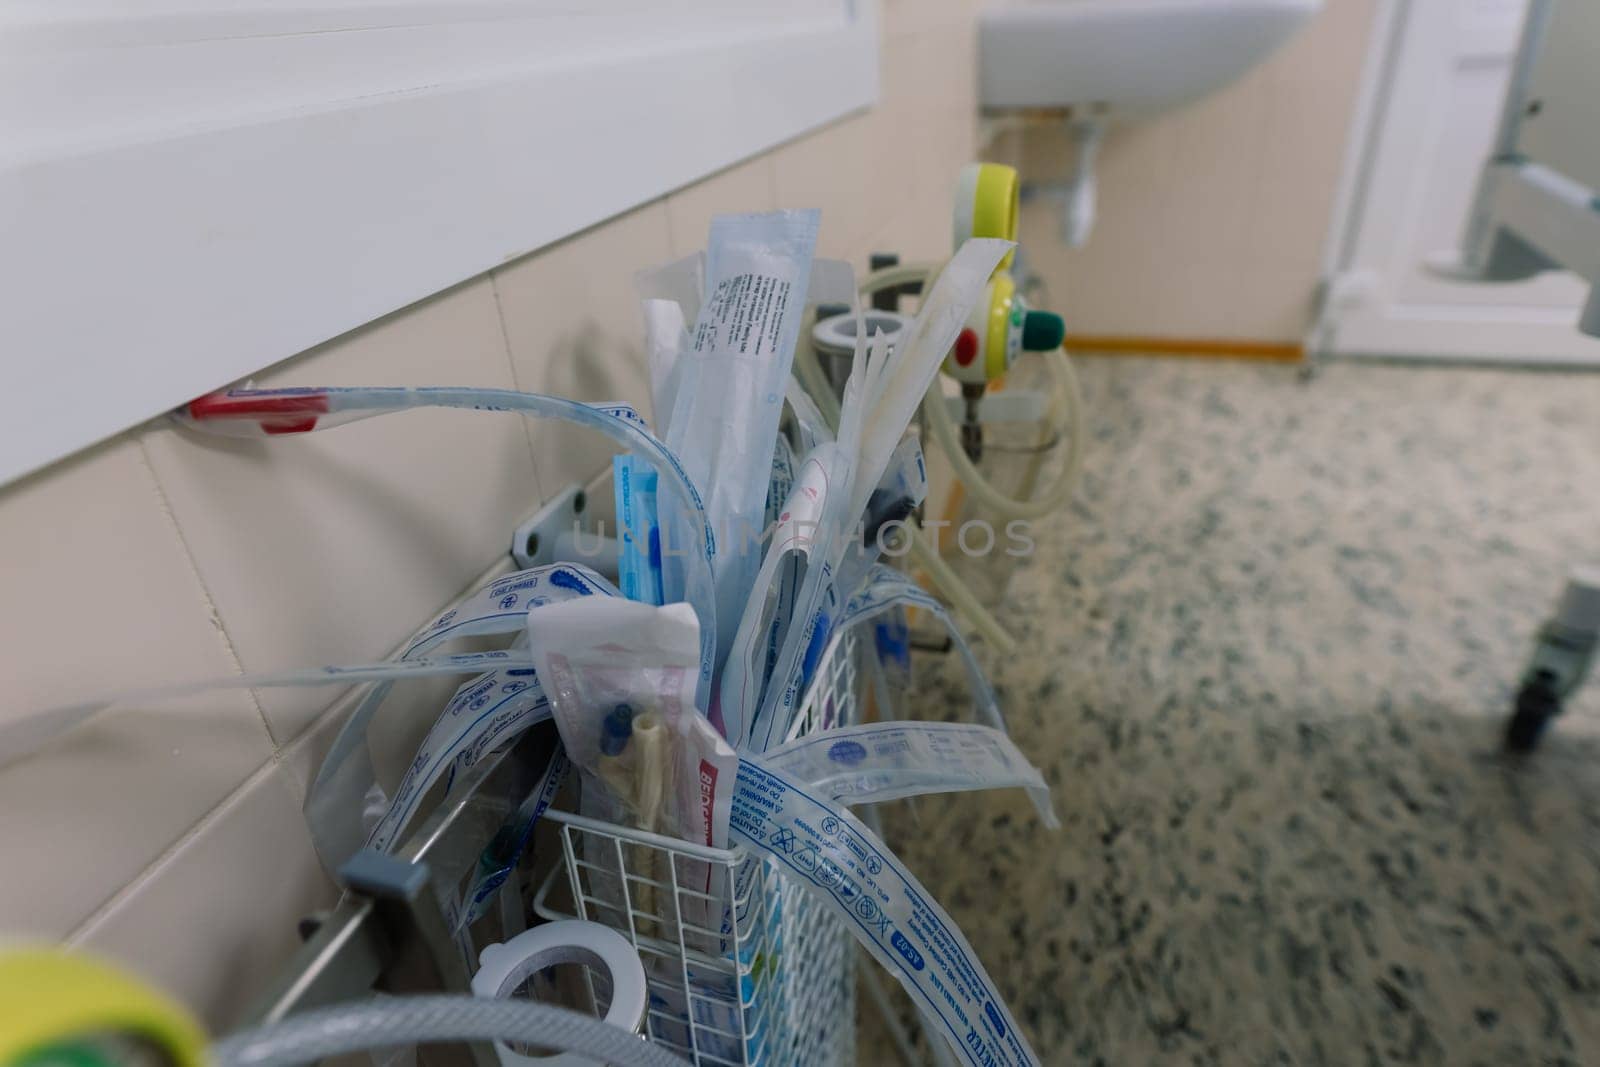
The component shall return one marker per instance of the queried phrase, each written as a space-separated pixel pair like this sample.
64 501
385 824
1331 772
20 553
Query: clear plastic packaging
620 679
731 382
345 808
639 529
879 761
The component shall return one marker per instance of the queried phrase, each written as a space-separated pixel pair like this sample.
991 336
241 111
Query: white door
1435 83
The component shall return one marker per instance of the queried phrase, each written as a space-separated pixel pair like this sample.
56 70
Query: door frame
1343 284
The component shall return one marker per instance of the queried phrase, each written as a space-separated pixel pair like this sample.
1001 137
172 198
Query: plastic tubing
313 408
811 376
900 274
1070 405
417 1020
961 598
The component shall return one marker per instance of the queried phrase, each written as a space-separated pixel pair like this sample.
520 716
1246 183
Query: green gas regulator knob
1042 331
999 330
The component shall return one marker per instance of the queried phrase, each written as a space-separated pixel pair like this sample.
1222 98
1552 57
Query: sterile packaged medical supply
620 678
731 381
875 762
638 529
831 493
891 914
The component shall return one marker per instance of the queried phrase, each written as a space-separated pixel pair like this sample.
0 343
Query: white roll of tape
502 968
837 335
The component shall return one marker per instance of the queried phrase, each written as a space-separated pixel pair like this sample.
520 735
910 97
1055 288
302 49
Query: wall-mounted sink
1125 56
1094 60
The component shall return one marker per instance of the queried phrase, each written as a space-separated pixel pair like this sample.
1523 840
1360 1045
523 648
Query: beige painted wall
1212 217
171 837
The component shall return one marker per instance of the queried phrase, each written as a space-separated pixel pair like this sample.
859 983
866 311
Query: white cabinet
192 192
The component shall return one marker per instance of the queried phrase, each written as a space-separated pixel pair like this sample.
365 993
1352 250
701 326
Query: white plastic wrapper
665 341
811 426
882 393
880 761
498 862
770 613
903 486
482 715
894 388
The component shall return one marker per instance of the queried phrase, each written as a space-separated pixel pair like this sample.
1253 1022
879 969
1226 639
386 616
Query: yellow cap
986 204
49 996
1002 298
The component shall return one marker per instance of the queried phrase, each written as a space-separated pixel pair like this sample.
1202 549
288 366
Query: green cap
1042 331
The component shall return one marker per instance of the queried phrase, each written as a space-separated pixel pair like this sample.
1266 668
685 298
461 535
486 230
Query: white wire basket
752 970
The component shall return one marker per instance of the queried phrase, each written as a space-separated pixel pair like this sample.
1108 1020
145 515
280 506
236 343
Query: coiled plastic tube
415 1020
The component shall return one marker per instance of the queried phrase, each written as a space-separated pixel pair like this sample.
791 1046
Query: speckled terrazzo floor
1265 663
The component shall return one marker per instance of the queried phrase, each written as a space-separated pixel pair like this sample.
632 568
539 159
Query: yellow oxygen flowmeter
65 1009
1001 327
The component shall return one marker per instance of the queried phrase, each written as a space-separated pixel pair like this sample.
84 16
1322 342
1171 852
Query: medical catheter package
620 678
674 696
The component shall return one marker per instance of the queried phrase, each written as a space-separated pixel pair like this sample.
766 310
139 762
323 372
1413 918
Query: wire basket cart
744 965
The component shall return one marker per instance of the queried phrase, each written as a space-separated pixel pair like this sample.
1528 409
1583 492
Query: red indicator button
966 347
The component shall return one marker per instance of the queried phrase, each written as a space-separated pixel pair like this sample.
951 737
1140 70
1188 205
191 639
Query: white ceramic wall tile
406 716
918 228
1222 153
945 59
905 17
331 547
214 922
931 115
1273 302
903 119
892 170
747 186
101 597
1290 213
1111 286
574 327
832 169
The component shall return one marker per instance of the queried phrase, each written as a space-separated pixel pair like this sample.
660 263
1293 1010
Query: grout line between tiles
205 591
770 158
516 381
279 759
130 888
351 696
666 212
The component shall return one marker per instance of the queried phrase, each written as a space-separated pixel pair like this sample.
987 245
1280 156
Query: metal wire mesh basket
749 968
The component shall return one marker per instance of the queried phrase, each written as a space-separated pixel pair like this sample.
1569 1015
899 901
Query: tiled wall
1212 217
171 836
